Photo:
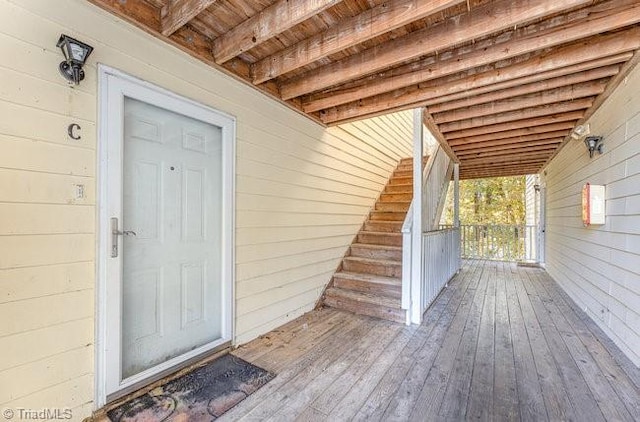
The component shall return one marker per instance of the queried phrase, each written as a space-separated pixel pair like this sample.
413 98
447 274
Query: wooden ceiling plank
489 163
501 167
146 17
566 93
525 89
275 19
498 135
374 22
528 113
388 102
507 165
137 12
522 44
515 158
561 73
177 13
504 173
545 148
498 166
529 123
547 139
504 14
428 96
490 139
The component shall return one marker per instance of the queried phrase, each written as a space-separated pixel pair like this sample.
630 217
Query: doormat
201 395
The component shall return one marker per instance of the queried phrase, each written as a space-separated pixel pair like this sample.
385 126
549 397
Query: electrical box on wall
592 204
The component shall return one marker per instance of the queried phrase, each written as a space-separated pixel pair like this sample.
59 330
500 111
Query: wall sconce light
75 56
594 143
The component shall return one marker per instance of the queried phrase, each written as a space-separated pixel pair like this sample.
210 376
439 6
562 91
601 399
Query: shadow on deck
500 343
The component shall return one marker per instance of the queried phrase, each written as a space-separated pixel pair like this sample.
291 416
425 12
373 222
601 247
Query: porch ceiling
504 81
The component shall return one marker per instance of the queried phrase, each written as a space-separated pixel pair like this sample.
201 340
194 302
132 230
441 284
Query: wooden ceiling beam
500 173
369 24
488 148
500 166
504 14
275 19
389 103
148 18
515 115
177 13
494 130
507 158
491 140
566 93
489 165
546 149
537 130
497 166
522 42
526 89
561 73
405 98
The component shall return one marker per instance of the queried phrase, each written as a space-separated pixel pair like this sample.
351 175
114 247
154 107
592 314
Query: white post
456 213
416 230
542 225
456 195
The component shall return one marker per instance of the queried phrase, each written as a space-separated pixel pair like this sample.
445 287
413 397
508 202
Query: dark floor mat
201 395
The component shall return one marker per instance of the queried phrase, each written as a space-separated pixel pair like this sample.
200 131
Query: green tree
497 200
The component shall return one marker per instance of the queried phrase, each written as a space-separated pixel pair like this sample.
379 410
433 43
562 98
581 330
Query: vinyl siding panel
599 266
302 192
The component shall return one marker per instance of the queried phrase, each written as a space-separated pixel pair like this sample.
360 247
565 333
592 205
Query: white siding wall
530 198
302 193
532 214
599 266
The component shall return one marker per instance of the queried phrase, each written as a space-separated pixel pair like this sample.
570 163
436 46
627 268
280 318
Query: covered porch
500 342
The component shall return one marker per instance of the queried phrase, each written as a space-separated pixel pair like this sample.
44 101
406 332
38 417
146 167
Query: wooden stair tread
392 234
378 247
365 298
374 261
370 278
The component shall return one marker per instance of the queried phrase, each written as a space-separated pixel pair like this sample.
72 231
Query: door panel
172 277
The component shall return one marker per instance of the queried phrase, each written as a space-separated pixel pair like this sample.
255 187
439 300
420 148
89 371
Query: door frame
116 84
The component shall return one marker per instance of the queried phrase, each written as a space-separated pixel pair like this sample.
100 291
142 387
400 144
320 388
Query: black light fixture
75 55
593 143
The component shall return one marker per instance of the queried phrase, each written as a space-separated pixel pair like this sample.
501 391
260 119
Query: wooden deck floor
500 343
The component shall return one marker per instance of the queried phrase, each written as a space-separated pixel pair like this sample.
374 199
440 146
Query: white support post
456 211
456 195
416 230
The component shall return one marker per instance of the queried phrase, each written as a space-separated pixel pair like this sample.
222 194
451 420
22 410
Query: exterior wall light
75 56
594 143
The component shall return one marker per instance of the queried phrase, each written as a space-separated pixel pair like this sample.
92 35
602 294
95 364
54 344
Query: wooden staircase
369 280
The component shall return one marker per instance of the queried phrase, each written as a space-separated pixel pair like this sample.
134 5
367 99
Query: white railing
441 262
419 287
435 183
499 242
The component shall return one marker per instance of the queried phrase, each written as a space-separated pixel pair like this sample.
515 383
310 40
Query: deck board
501 342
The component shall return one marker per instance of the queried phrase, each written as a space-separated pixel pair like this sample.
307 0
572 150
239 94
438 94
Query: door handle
115 232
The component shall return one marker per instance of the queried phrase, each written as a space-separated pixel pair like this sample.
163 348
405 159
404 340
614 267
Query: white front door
166 230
